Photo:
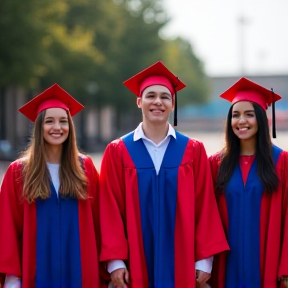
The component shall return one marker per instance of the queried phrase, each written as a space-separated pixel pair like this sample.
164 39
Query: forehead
55 112
156 89
242 106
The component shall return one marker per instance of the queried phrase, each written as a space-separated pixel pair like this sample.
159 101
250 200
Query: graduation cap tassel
273 116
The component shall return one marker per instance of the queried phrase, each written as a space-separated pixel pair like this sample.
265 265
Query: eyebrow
244 111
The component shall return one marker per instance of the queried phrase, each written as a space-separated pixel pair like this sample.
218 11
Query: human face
55 126
244 123
156 104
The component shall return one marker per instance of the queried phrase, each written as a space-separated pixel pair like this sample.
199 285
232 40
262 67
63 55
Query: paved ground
212 141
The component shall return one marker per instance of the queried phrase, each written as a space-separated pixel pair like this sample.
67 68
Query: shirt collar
139 133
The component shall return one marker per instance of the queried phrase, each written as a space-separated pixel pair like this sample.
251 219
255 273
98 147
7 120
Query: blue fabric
244 207
58 262
158 198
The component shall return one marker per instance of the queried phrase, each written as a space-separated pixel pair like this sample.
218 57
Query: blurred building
95 127
211 116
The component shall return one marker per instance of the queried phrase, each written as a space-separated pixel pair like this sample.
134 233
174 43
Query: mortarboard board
246 90
53 97
156 74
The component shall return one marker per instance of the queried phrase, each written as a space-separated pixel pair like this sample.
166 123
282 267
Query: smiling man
159 215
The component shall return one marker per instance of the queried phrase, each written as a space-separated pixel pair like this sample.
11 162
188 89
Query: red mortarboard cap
53 97
156 74
246 90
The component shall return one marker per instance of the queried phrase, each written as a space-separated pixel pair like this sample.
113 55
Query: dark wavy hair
231 152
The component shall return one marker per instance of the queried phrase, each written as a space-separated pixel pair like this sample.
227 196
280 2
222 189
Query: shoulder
195 145
15 171
216 158
282 162
190 141
16 166
85 159
116 146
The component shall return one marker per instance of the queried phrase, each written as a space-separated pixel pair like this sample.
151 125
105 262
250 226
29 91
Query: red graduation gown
18 229
273 229
198 231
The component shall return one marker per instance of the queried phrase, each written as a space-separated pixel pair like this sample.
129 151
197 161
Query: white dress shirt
54 173
157 152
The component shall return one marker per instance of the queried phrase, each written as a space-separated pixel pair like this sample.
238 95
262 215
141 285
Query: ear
139 102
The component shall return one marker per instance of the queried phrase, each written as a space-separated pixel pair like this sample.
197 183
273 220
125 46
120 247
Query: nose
158 100
242 119
57 125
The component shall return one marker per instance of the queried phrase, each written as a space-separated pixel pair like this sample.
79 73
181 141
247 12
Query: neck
53 153
248 147
155 132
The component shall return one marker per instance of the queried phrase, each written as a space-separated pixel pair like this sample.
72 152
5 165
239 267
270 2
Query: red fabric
140 81
52 97
245 163
273 229
18 220
198 229
246 90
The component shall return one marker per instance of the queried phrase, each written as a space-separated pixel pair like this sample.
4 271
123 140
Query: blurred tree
21 48
181 59
90 47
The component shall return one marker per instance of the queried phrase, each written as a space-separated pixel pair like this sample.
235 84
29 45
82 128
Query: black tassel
273 115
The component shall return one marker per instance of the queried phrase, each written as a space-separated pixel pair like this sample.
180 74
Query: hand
201 279
284 281
120 277
12 282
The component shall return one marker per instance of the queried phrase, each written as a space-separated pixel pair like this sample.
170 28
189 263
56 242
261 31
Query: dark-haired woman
48 203
251 183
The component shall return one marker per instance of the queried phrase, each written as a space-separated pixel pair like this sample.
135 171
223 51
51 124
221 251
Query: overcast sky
257 46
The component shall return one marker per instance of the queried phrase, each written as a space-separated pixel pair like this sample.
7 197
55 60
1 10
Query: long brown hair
231 153
73 181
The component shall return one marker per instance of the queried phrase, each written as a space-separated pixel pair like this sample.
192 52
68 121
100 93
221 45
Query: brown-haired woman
251 182
49 203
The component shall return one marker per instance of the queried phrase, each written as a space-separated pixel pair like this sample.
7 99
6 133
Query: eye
48 121
64 121
235 116
250 114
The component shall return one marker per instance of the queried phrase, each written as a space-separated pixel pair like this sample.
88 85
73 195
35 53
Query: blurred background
89 47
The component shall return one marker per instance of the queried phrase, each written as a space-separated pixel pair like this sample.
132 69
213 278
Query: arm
283 266
11 221
112 205
209 233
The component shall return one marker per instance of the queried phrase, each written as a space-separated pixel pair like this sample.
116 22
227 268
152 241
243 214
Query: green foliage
90 47
180 58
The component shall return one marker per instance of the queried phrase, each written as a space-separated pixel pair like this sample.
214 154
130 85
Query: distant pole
242 20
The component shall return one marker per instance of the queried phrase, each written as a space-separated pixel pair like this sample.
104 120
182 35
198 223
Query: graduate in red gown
251 180
157 206
49 215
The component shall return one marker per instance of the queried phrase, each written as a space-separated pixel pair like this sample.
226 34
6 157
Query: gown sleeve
209 235
283 266
11 221
112 204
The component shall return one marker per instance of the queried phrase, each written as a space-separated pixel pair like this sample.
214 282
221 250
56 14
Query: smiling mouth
157 110
56 135
243 129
